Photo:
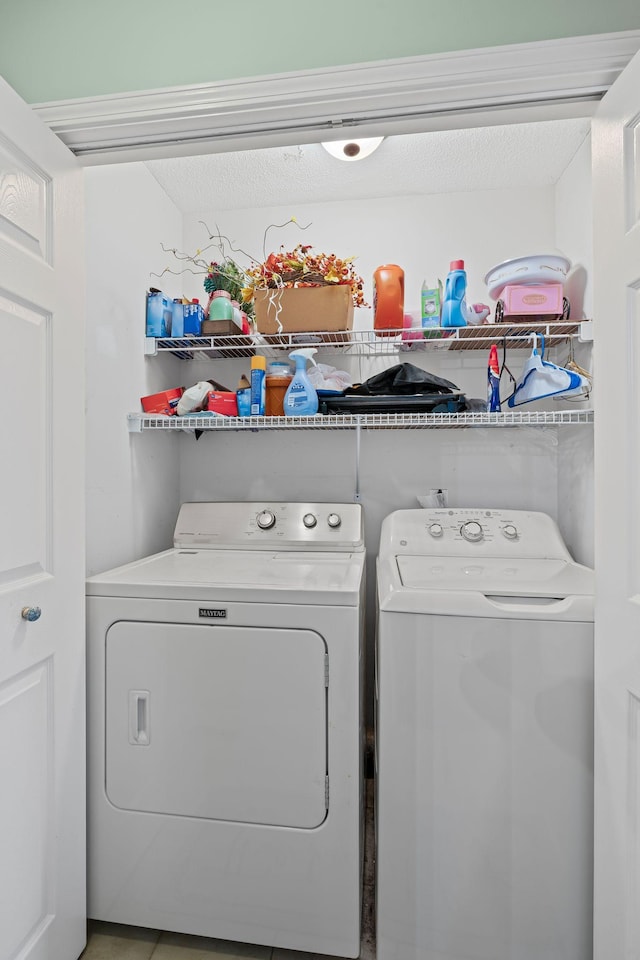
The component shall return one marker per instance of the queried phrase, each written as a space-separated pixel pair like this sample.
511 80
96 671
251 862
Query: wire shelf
372 421
367 343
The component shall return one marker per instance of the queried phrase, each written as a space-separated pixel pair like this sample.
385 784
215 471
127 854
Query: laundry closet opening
484 194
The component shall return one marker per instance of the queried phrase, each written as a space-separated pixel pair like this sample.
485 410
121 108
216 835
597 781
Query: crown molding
528 81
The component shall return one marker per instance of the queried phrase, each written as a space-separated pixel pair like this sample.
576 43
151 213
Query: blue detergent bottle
301 398
454 306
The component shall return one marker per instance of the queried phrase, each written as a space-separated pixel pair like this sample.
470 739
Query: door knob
31 613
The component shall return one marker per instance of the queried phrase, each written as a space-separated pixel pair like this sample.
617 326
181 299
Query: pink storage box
532 299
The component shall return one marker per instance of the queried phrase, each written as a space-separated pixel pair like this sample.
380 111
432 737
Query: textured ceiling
482 158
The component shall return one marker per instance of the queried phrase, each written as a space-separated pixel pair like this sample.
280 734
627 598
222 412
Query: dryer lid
237 575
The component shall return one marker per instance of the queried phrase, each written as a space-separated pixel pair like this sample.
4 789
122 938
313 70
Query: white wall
421 233
575 453
132 482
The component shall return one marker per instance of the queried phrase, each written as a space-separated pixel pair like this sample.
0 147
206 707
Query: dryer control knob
510 532
266 520
334 520
309 520
436 530
471 530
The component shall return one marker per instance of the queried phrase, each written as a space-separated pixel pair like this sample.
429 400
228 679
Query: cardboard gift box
304 309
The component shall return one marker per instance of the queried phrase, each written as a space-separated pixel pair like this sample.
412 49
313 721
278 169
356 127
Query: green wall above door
64 49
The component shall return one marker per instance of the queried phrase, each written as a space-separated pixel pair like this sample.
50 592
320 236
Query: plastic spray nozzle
300 357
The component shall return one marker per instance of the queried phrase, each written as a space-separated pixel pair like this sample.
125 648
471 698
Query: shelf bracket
585 333
134 423
356 496
150 347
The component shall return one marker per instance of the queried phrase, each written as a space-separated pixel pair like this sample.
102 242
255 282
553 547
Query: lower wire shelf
137 422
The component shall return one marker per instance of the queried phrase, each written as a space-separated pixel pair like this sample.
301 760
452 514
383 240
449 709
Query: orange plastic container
388 300
276 388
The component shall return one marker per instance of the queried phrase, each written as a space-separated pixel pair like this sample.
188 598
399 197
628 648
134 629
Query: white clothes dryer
484 717
225 732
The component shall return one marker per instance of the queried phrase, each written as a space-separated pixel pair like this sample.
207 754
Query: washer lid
487 587
517 576
241 575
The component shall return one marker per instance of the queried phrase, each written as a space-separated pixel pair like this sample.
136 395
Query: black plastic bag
404 379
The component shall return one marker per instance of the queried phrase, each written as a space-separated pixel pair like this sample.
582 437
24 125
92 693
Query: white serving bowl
541 268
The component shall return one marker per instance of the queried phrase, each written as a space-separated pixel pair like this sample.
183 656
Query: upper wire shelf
368 342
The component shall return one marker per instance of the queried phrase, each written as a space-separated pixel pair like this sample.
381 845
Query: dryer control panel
468 531
270 525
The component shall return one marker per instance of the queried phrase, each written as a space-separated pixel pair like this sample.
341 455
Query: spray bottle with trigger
301 398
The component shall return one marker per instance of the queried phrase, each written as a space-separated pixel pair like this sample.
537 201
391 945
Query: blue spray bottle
301 398
454 306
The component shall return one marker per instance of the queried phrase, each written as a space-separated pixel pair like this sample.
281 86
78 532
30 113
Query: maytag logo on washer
212 613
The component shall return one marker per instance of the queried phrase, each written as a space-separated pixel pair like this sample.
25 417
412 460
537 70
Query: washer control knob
266 520
309 520
471 531
510 532
334 520
435 529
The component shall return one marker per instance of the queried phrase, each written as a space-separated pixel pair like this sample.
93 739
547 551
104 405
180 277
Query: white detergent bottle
301 398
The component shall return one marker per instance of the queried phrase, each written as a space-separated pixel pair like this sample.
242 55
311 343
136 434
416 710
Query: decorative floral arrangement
302 267
228 276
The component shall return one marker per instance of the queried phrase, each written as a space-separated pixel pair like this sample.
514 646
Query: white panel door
42 799
616 166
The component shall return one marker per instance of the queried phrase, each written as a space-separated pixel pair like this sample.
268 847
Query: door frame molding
542 80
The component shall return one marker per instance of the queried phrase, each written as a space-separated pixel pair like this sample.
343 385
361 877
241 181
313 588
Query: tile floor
111 941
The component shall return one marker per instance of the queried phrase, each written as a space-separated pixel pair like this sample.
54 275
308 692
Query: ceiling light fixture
353 149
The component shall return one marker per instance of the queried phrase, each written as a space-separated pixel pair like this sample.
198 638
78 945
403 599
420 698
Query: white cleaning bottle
301 398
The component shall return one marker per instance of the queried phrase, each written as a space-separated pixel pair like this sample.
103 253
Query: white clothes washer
484 717
225 732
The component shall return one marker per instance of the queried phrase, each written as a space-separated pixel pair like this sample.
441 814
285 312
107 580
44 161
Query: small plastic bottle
193 317
258 367
220 307
493 381
454 306
301 398
430 301
177 318
237 315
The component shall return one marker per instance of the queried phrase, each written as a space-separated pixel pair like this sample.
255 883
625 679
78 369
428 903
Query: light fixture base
351 150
